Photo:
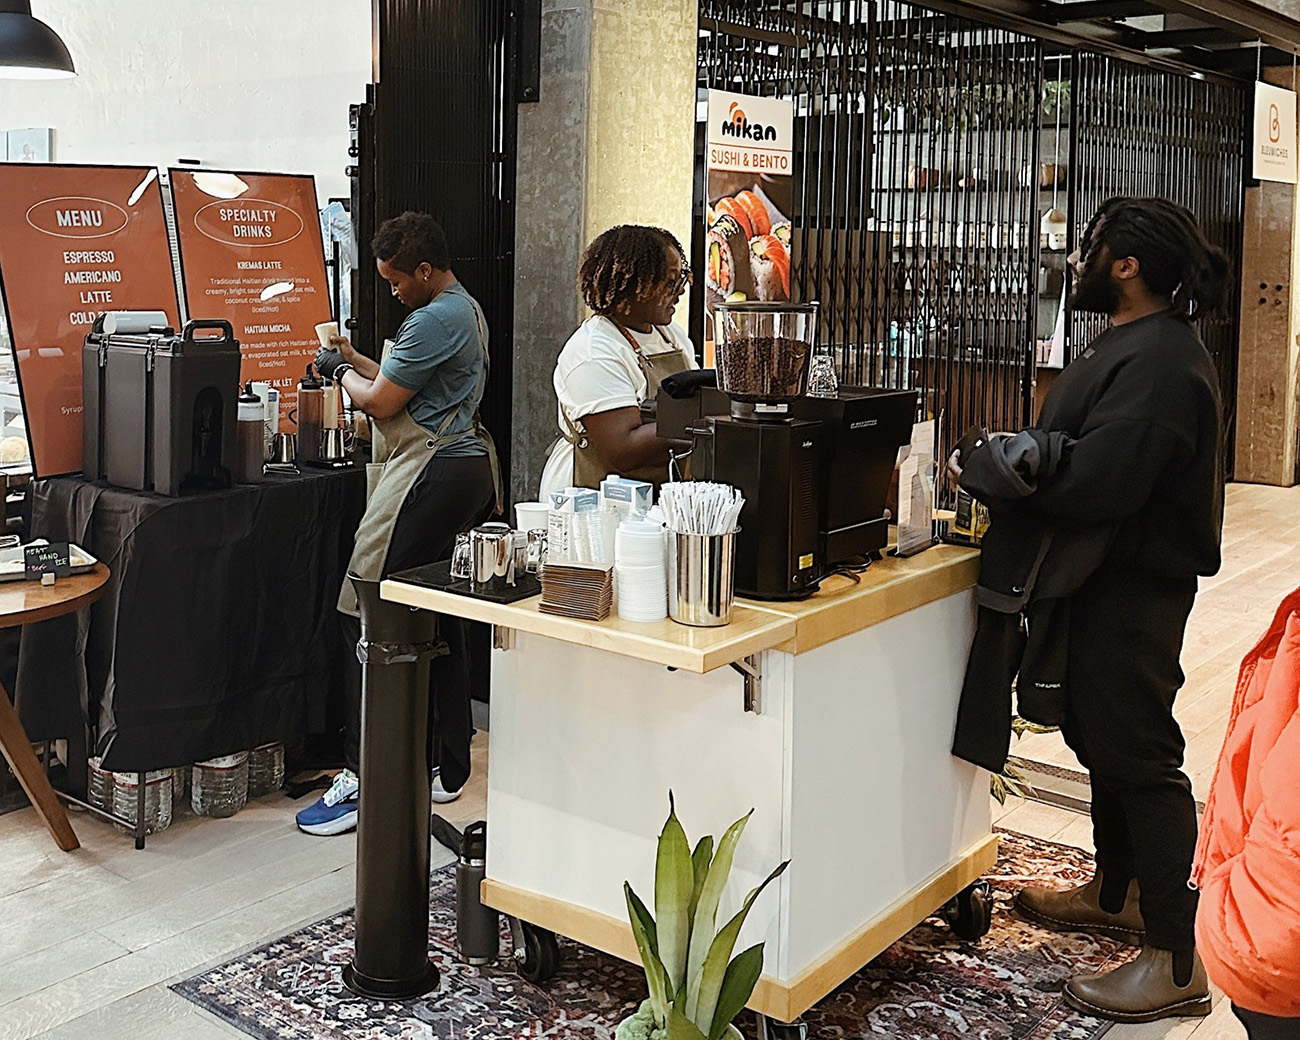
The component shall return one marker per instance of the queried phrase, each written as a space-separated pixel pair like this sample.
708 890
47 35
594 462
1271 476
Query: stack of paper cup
641 571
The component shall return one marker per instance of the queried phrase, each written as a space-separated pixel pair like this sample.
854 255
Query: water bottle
478 927
99 785
265 769
180 785
157 799
219 786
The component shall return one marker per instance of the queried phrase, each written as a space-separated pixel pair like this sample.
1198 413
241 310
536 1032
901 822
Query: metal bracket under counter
753 674
503 637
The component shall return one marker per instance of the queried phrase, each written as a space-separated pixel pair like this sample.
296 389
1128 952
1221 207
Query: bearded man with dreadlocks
1124 495
631 276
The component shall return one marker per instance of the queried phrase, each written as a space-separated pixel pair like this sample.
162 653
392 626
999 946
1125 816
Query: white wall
259 85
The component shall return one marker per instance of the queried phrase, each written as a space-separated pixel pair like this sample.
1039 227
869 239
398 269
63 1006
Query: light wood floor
90 940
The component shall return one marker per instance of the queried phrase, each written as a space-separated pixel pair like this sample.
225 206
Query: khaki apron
401 450
589 469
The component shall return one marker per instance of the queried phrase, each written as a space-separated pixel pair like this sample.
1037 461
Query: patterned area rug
928 984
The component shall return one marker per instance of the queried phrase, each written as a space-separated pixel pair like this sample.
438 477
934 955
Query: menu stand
391 957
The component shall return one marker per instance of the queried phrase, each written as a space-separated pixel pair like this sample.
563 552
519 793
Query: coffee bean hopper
815 471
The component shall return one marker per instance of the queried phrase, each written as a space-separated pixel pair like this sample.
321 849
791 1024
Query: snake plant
696 986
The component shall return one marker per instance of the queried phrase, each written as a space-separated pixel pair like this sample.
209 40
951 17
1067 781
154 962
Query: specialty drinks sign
75 241
251 253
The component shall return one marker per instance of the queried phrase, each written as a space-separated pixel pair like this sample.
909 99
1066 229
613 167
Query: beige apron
589 469
401 450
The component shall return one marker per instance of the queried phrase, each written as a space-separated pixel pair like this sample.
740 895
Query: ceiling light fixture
30 49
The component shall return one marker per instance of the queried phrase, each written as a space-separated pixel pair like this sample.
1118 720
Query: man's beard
1096 291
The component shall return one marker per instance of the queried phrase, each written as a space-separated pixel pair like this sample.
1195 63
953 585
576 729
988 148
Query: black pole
391 959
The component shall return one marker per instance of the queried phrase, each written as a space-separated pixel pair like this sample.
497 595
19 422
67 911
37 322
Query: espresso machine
814 471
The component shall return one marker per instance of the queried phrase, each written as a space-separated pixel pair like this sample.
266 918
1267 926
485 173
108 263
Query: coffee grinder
763 448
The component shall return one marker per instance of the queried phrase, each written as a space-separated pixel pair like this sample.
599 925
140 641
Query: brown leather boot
1079 910
1141 990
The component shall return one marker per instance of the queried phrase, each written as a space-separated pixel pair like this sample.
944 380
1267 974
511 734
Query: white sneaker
439 794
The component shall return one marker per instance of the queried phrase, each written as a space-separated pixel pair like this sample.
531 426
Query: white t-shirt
598 372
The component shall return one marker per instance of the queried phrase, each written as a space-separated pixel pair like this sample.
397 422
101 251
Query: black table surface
218 630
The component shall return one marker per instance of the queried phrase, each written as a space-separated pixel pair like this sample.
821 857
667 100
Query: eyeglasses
687 277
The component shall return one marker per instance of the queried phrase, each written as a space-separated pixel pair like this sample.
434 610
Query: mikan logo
737 124
77 216
248 222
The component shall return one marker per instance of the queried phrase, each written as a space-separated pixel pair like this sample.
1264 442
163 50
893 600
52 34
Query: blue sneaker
336 811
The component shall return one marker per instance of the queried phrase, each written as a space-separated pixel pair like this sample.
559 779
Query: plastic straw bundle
700 507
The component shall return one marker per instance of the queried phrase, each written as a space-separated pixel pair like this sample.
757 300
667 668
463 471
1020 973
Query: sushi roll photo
770 261
727 268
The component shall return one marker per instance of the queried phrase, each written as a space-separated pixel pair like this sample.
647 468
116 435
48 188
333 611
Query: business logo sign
750 134
1274 153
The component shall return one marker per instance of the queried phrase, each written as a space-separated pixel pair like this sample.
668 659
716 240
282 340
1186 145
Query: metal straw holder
701 578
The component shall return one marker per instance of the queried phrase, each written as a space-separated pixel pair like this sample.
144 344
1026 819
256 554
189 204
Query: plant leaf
674 883
656 982
716 963
682 1028
700 860
737 985
705 917
635 906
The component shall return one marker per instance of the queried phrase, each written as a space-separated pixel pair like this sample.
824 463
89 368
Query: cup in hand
324 331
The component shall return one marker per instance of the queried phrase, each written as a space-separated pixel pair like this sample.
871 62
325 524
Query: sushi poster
750 186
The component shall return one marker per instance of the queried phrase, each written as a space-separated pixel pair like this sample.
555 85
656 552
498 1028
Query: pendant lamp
30 49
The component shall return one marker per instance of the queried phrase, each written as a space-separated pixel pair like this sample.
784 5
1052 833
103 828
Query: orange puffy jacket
1248 858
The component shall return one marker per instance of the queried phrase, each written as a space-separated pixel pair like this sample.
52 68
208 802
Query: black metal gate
1143 131
438 134
929 150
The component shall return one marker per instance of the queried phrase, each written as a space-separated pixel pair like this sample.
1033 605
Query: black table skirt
217 631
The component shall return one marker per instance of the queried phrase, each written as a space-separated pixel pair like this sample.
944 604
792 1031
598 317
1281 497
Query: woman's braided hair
625 264
1174 258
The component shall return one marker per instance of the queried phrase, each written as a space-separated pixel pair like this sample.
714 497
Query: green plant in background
696 987
1056 98
1011 781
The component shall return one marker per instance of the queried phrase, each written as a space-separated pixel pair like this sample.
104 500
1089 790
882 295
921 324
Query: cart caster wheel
970 913
541 955
770 1030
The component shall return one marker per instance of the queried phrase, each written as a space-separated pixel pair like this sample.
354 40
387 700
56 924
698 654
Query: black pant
1260 1026
449 496
1126 634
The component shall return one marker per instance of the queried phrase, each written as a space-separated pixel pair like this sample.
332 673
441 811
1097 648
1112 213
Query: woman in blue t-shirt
435 468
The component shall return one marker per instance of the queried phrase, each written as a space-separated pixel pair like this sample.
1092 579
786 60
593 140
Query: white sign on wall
1275 134
750 134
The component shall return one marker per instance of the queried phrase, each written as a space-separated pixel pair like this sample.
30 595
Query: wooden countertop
889 587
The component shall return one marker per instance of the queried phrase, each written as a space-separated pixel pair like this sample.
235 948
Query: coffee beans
762 368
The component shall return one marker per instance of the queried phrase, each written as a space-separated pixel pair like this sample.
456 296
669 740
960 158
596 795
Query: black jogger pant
449 496
1126 634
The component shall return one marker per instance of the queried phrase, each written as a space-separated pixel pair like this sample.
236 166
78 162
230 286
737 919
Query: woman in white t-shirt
631 277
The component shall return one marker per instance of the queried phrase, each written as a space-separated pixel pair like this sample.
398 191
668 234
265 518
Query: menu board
749 199
75 241
251 253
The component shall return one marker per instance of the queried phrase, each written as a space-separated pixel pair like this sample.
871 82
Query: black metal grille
916 202
928 149
1143 131
439 136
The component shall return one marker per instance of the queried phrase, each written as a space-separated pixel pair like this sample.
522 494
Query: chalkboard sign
55 558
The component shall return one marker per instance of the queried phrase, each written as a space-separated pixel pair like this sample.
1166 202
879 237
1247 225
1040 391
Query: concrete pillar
610 142
1268 366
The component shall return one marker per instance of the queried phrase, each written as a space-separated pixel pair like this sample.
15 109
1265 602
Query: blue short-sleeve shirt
438 355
